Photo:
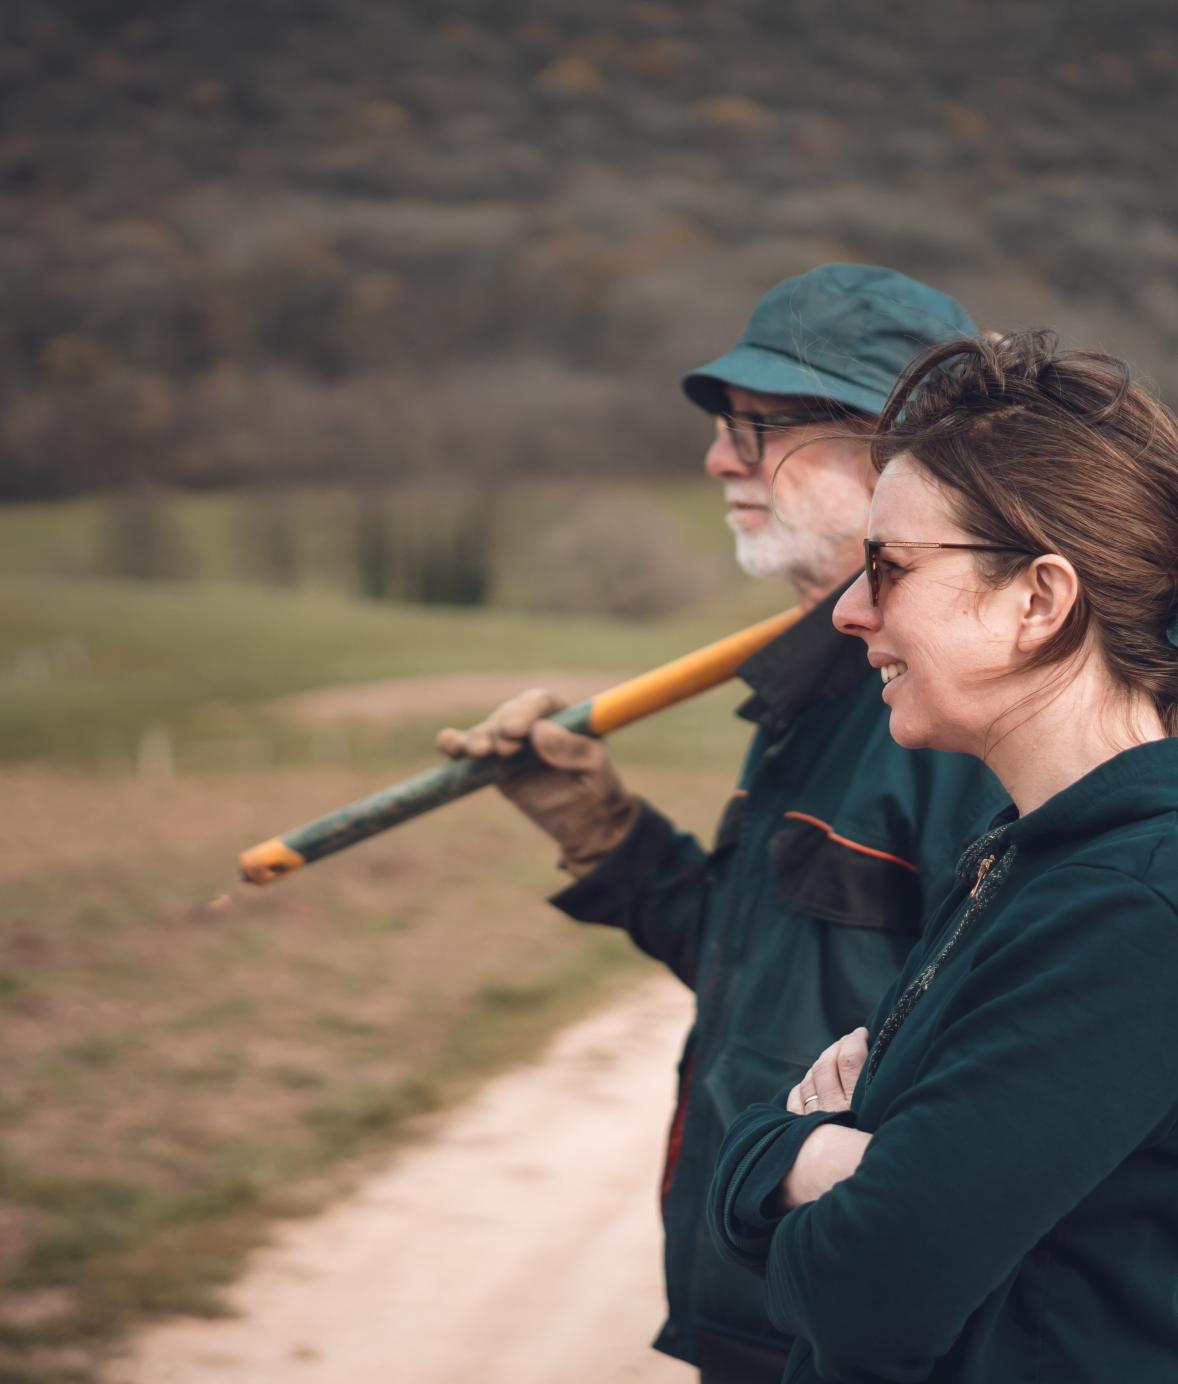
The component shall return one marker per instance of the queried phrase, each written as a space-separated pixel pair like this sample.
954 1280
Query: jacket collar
810 662
1136 784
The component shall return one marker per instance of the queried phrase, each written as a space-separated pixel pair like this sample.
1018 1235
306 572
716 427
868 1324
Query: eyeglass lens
746 432
746 437
871 568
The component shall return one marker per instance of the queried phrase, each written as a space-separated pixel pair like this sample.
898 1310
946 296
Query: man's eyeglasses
872 546
746 431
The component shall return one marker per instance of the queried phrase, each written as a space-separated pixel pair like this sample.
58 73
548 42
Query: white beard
766 555
789 553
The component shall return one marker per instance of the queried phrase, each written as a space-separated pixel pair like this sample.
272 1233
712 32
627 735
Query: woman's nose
854 613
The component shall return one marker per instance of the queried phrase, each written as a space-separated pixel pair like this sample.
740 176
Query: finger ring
808 1100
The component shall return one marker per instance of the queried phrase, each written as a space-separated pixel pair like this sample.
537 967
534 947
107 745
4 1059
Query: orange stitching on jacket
851 845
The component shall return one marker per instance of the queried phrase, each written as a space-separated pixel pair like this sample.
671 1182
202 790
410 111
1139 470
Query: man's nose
854 613
722 459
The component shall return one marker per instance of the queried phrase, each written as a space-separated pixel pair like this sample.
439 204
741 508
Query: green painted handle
390 807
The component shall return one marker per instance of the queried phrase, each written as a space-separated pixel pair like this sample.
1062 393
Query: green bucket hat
843 332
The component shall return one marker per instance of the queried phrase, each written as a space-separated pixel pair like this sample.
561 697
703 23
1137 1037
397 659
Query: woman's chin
910 734
904 737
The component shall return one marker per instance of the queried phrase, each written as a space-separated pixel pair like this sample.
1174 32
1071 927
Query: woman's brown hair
1063 452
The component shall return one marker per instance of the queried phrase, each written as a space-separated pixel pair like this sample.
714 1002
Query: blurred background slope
337 238
339 363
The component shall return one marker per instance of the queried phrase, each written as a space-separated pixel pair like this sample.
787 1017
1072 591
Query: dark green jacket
1015 1218
788 931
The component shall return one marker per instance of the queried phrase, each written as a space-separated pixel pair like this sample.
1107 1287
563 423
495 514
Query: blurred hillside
341 239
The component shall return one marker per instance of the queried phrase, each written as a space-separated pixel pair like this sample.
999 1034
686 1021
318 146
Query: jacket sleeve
1053 1062
654 885
744 1205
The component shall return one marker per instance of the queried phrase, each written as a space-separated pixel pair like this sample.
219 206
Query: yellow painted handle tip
271 860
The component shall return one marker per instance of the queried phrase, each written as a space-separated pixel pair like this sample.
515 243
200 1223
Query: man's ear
1047 591
869 473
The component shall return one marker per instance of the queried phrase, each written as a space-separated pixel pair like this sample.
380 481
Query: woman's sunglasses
872 546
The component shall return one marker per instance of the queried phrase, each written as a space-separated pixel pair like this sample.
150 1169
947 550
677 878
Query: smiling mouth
891 671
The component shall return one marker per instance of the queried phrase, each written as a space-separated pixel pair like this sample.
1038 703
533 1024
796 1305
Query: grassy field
178 1076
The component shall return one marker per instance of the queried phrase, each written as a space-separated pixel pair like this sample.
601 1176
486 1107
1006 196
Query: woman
1000 1201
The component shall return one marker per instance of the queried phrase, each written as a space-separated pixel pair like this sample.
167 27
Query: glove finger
451 742
479 740
515 718
482 741
566 750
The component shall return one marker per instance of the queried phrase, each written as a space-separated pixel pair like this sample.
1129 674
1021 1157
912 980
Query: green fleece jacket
1014 1219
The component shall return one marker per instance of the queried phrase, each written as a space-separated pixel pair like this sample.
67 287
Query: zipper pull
983 870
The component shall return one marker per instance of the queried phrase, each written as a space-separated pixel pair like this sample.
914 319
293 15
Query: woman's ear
1048 589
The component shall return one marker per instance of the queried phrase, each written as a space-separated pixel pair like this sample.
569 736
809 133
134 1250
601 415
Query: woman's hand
829 1082
829 1154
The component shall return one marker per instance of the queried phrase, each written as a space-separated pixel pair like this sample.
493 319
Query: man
833 843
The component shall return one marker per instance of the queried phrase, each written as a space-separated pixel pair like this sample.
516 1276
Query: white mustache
733 497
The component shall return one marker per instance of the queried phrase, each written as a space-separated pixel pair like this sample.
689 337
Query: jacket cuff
605 894
758 1199
745 1205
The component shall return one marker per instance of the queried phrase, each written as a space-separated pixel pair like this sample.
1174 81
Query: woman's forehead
907 500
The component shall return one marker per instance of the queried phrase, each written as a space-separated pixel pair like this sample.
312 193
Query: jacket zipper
983 870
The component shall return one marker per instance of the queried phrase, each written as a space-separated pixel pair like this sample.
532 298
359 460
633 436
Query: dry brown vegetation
175 1074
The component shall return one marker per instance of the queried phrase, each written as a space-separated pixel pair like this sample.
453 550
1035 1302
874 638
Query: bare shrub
268 537
616 556
428 546
450 565
373 548
139 538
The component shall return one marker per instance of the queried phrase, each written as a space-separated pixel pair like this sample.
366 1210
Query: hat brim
770 372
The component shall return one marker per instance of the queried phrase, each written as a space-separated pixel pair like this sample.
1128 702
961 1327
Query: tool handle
684 677
389 807
619 706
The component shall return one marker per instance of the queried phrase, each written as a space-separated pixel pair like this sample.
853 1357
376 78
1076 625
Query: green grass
118 674
92 669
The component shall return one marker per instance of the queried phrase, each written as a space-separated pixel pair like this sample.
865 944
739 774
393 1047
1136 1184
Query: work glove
573 793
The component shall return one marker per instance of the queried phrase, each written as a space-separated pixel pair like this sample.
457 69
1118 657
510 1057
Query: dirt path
518 1245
